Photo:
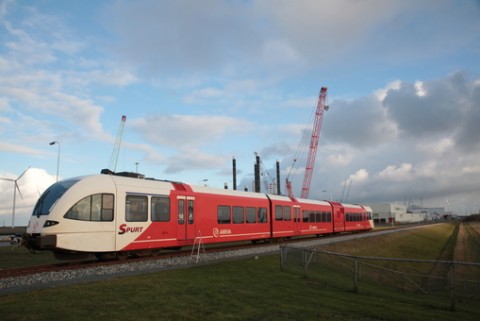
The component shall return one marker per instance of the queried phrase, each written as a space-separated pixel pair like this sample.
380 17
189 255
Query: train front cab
74 216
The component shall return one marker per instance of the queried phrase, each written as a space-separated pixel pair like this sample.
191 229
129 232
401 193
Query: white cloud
382 92
360 176
420 88
404 172
31 186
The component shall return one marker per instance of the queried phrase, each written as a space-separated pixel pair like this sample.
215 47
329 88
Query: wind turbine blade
7 179
22 173
18 189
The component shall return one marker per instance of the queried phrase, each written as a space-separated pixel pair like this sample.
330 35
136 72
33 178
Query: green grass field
249 289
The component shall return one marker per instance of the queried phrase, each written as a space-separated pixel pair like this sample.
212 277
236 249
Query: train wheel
122 255
105 256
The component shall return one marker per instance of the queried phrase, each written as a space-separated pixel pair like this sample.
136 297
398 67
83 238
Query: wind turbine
15 187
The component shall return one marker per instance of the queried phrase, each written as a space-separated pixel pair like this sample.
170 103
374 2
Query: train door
296 219
186 217
338 217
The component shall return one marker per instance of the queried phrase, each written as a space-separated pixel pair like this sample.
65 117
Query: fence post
355 278
452 286
281 258
305 262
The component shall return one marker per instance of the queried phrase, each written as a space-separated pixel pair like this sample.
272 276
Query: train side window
160 209
287 213
181 211
297 214
190 212
329 216
305 216
238 215
223 215
324 217
136 209
81 210
262 215
318 217
96 207
107 207
278 213
312 217
251 216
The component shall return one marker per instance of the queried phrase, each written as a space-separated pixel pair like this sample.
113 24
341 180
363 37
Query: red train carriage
355 218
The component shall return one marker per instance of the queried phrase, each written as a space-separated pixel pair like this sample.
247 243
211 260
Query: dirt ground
467 248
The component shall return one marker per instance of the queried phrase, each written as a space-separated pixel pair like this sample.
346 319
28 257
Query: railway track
25 278
165 254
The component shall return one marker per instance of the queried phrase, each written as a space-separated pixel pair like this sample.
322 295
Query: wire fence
445 281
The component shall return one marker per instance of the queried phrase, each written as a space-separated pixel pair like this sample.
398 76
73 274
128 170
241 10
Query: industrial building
391 213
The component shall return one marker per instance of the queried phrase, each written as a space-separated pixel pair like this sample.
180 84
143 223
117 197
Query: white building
431 213
391 213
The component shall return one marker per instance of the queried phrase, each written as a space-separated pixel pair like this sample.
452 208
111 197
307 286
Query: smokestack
234 170
278 177
257 174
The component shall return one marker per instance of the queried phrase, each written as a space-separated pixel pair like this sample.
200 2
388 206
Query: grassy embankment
246 290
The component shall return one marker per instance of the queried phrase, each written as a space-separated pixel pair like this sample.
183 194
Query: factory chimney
257 174
278 177
234 170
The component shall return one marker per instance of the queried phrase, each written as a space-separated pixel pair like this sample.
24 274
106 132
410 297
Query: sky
202 82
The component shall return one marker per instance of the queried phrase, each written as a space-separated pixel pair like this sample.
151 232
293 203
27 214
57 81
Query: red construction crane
312 152
118 143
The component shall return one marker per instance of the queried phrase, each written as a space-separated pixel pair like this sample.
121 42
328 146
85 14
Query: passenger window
136 209
324 217
278 212
97 207
238 215
305 216
107 207
297 214
181 211
223 215
251 217
160 209
190 212
262 215
318 217
287 214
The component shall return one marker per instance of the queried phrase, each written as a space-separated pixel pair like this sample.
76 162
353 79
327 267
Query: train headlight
50 223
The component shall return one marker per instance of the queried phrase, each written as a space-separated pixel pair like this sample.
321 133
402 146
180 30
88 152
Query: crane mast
312 152
118 143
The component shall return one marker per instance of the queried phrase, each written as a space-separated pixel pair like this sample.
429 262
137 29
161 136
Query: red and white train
117 215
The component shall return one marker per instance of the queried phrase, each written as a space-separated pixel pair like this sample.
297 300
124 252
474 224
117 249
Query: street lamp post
331 196
58 156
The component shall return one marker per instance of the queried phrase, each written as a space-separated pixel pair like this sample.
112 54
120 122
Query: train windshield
51 195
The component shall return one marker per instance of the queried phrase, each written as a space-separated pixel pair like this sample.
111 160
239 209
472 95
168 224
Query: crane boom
312 153
118 143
